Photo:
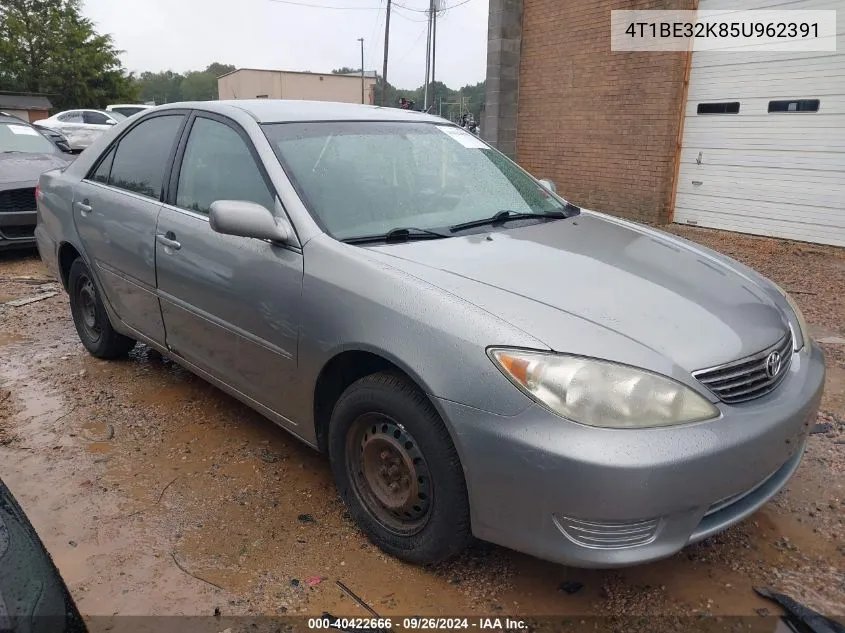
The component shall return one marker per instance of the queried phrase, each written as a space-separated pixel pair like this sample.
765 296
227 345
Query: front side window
21 137
219 166
142 155
368 178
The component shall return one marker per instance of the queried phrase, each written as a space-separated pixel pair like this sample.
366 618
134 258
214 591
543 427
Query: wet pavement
158 494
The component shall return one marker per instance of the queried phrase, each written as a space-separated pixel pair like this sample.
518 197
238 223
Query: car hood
693 308
24 167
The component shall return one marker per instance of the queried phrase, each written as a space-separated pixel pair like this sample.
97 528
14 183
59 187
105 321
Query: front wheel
397 470
90 317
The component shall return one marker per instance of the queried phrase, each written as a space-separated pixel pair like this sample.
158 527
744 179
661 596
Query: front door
230 304
115 209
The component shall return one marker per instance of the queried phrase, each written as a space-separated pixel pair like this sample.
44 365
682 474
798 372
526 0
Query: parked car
56 138
24 155
81 127
129 109
477 356
33 596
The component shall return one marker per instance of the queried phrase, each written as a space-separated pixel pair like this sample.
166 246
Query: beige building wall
248 83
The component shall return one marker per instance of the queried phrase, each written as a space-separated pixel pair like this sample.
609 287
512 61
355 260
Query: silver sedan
476 355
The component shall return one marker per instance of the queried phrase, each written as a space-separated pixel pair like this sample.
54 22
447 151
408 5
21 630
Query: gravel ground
158 494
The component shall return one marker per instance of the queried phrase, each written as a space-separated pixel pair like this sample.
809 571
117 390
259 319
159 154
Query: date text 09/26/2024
417 623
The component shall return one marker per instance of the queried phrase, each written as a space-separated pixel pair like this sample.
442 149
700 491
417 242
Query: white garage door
763 147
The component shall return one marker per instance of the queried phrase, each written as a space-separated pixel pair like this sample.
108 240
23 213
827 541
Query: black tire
369 415
90 317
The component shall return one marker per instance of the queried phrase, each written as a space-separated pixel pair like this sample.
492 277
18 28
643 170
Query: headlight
799 317
600 393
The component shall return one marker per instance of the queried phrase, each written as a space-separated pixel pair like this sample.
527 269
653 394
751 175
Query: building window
262 96
726 107
796 105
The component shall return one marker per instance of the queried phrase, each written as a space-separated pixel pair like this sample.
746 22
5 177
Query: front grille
607 534
749 377
17 200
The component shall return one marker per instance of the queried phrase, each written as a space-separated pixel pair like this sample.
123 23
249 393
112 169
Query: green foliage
47 46
470 98
195 85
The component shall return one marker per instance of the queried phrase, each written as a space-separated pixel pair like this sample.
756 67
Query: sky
312 35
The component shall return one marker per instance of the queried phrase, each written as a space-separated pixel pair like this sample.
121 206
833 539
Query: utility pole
361 39
428 55
384 70
435 6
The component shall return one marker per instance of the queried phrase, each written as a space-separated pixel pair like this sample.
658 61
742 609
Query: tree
47 46
346 70
202 85
162 87
195 85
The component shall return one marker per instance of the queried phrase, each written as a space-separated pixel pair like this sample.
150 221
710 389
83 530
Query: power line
455 6
325 6
441 9
372 52
404 56
405 17
407 8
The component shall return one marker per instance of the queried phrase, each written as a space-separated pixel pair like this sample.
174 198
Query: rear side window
95 118
71 117
219 166
142 155
101 174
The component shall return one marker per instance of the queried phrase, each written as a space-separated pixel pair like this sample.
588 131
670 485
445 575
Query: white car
128 109
81 127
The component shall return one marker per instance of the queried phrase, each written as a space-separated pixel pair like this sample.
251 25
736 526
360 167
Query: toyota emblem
773 364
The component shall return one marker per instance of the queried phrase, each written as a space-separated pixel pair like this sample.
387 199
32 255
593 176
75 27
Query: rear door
231 304
115 209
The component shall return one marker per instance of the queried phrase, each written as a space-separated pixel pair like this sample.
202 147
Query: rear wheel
90 317
398 471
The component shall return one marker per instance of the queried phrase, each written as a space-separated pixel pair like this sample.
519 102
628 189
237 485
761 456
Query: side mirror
248 219
548 184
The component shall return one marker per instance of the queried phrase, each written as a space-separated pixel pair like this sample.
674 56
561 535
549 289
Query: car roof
289 110
146 106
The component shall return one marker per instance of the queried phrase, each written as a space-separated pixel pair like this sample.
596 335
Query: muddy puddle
158 494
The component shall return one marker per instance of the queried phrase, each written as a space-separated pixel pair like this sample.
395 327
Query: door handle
167 240
84 208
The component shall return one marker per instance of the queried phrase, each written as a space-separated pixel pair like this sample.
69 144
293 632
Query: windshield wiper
397 235
504 216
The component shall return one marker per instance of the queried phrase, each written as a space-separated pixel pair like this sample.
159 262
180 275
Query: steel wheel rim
389 474
87 301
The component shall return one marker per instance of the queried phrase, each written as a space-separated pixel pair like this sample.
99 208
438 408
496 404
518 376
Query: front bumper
17 228
593 497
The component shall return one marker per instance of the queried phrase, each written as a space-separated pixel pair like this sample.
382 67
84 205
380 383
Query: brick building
623 132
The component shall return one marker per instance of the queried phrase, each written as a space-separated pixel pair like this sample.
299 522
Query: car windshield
21 137
117 116
368 178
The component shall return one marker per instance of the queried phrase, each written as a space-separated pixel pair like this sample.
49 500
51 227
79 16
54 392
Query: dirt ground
158 494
